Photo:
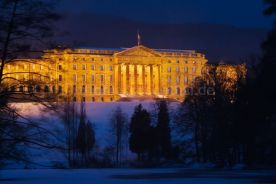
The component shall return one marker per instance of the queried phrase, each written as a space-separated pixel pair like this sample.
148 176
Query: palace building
104 75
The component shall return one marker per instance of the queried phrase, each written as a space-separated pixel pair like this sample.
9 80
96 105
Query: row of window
84 78
84 67
177 80
186 69
93 99
93 91
27 66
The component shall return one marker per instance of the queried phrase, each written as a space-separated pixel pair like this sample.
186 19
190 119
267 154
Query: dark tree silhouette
163 130
140 133
24 26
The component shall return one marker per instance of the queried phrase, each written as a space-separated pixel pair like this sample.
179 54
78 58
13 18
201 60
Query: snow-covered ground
135 176
98 113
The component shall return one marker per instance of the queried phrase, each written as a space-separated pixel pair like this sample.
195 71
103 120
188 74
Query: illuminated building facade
111 74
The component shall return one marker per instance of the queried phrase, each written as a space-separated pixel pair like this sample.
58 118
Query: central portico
139 71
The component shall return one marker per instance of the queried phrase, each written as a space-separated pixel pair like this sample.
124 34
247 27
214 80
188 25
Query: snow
135 176
99 113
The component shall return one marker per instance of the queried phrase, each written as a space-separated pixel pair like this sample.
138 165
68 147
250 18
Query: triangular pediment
140 50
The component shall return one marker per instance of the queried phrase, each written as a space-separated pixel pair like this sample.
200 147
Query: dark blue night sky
241 13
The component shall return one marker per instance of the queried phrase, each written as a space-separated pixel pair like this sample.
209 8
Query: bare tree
119 132
24 26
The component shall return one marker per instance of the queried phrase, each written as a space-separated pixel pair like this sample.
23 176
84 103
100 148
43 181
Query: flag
138 38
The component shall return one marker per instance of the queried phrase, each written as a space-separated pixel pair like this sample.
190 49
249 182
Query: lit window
194 62
83 89
194 69
178 91
102 78
41 67
83 78
74 89
33 66
169 91
74 77
92 89
186 80
177 79
101 67
186 69
169 79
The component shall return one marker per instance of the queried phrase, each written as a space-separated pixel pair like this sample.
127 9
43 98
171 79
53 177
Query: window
83 99
46 89
92 67
102 68
92 59
93 78
169 91
194 69
194 62
33 66
177 80
74 77
54 89
21 88
102 99
60 78
177 69
93 99
74 67
110 67
102 78
93 90
59 67
83 67
186 80
111 90
74 89
186 69
74 99
30 89
41 67
83 78
83 89
102 90
38 88
169 79
178 91
59 89
111 78
169 69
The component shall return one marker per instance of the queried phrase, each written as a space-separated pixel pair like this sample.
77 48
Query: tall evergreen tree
140 132
163 130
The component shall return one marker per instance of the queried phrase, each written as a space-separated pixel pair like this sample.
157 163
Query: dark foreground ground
137 176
